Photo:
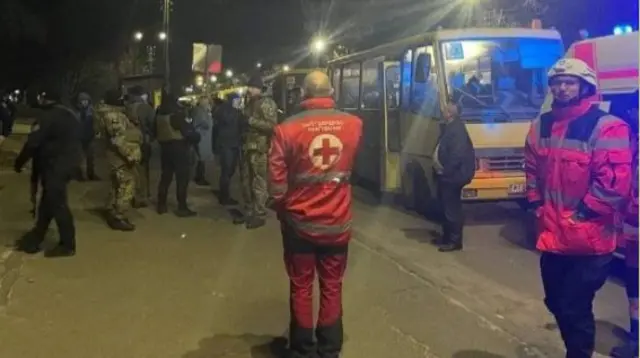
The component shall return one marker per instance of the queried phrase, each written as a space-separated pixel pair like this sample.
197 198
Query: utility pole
166 21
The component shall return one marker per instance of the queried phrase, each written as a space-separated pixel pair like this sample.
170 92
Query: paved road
202 287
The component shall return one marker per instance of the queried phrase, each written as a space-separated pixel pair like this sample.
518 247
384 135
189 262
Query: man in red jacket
578 168
310 162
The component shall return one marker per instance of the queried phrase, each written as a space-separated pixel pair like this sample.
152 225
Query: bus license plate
516 189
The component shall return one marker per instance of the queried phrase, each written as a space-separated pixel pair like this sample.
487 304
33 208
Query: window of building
350 88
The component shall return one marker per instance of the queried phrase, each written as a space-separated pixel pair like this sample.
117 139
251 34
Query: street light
138 36
199 81
162 36
286 68
213 78
228 73
319 45
259 65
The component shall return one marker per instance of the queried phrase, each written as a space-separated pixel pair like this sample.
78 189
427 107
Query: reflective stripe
560 143
321 229
612 143
611 198
278 189
630 230
327 177
560 199
532 184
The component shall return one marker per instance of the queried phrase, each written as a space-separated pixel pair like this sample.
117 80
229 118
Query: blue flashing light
622 29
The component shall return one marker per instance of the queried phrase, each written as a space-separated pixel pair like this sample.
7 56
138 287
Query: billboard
206 58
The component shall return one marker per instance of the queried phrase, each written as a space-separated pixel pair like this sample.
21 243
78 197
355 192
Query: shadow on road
245 345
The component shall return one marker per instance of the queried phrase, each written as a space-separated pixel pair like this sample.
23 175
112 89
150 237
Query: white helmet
576 68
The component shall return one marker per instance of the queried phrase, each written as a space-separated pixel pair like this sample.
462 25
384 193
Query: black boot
185 212
255 222
60 251
161 209
120 225
30 242
450 247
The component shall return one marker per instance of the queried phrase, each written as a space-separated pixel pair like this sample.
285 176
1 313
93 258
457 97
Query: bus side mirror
423 67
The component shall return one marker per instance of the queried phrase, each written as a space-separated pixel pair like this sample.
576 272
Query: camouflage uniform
123 139
262 116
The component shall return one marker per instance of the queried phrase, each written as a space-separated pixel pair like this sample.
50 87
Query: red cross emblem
325 150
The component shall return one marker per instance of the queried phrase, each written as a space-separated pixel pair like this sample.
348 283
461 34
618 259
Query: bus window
625 106
350 87
371 86
393 86
424 98
405 79
335 80
499 79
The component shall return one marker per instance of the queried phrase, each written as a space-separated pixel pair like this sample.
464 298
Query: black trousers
570 286
174 161
228 158
302 260
54 205
453 216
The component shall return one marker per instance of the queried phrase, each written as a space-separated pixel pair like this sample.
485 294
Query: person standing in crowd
141 112
83 104
123 140
578 168
54 144
227 140
310 161
7 115
261 114
203 122
176 135
455 166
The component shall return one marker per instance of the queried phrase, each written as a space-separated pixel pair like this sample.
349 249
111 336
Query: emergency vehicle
615 60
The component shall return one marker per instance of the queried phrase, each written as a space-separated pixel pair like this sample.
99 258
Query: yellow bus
497 77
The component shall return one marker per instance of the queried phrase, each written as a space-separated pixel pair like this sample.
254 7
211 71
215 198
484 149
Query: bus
497 76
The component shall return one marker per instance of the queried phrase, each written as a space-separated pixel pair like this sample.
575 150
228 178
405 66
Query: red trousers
303 259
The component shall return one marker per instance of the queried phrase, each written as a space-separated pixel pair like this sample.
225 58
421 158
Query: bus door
391 131
369 166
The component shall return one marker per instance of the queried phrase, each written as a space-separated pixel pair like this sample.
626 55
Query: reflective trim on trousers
321 229
328 177
532 185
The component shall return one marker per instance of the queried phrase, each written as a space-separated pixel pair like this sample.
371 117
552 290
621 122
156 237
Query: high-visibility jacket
630 226
310 162
578 168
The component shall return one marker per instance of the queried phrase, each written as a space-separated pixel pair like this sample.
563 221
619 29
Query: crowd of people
580 164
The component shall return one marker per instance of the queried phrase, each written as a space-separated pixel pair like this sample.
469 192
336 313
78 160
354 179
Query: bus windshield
499 79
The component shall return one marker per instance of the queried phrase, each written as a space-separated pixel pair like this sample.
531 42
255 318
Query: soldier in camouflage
123 139
261 114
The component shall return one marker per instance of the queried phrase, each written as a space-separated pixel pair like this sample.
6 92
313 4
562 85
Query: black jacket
55 142
227 127
456 154
6 119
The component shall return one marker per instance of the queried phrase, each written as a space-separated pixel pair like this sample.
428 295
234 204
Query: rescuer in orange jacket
578 168
310 161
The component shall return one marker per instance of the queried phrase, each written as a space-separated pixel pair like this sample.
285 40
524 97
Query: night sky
250 30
